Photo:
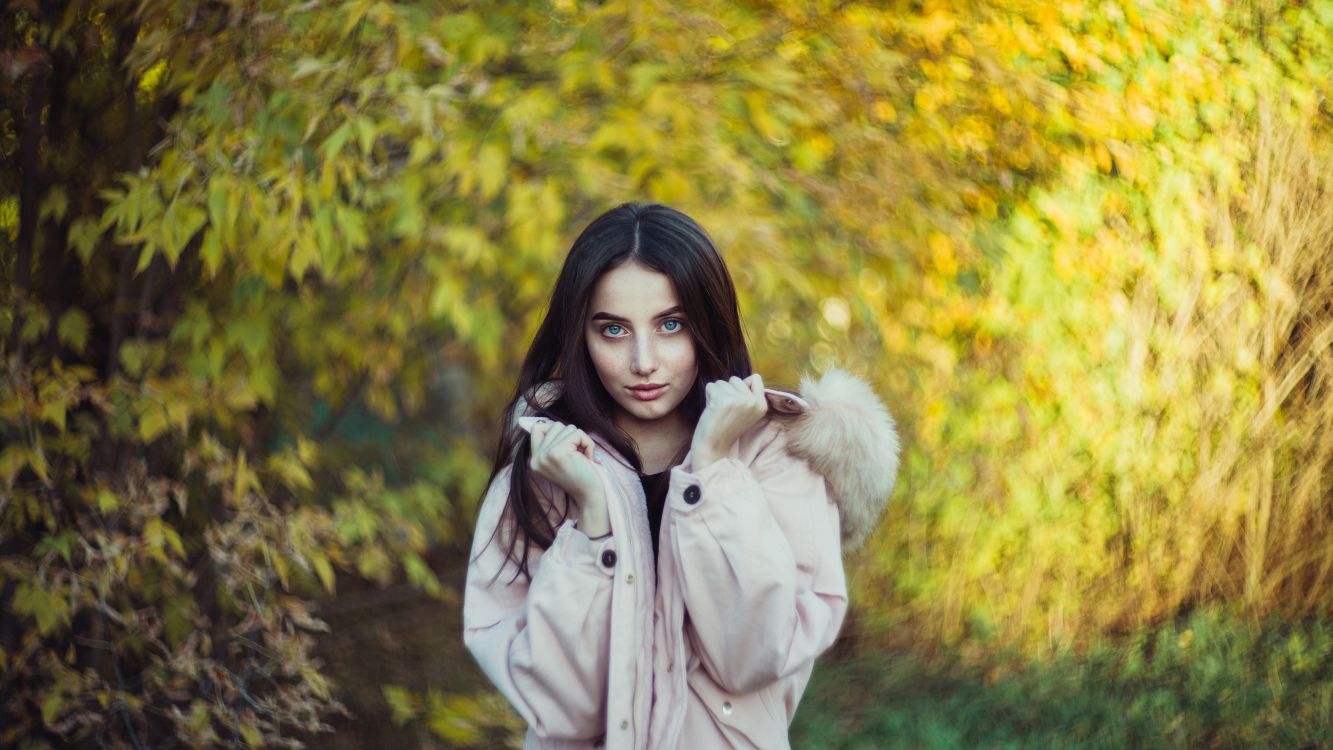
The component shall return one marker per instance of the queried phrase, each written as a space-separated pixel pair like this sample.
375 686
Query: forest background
269 268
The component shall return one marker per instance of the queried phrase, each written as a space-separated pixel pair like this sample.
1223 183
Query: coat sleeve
544 643
759 555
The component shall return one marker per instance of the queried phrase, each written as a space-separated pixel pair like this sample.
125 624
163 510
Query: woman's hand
733 407
563 454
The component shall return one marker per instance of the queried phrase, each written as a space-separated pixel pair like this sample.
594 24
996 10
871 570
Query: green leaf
84 233
333 145
35 324
173 540
145 256
420 574
365 131
409 219
54 205
62 544
323 569
404 705
133 354
190 219
52 702
47 608
152 424
211 251
73 329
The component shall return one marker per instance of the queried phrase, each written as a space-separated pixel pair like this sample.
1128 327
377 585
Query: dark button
609 558
692 494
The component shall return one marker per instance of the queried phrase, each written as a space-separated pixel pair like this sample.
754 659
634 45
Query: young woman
657 560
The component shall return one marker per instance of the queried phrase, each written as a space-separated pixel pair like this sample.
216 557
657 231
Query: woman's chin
648 411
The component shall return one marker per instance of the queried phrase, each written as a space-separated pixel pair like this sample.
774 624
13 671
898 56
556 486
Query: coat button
692 494
726 708
630 579
609 558
624 724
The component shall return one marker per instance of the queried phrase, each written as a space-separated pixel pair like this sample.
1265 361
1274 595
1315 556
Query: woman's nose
645 361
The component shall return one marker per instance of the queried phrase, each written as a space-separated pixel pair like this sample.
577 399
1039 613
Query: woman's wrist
703 454
701 460
593 520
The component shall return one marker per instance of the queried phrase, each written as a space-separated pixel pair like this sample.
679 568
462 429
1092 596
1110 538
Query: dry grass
1254 523
1287 546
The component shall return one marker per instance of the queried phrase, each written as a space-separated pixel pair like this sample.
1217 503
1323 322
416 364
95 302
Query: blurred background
269 269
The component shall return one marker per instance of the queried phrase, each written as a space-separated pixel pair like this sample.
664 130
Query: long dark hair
558 380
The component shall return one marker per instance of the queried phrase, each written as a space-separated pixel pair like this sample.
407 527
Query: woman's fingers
559 440
556 441
756 384
545 435
583 444
539 433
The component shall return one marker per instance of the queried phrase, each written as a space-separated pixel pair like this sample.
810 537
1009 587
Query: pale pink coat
714 651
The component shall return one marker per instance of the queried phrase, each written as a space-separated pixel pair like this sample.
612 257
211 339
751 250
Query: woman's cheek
682 354
602 355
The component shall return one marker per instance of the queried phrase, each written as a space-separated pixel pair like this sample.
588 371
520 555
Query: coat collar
843 431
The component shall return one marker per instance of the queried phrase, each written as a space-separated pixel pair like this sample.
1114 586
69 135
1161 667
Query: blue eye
673 325
613 330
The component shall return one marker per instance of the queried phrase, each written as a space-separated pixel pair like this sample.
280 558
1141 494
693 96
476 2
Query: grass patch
1211 680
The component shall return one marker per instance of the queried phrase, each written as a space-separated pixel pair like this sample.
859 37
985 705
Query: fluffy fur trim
848 436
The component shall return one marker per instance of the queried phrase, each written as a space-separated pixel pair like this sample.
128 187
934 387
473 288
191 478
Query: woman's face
637 338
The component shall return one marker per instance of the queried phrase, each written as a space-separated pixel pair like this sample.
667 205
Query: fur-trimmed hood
849 437
842 430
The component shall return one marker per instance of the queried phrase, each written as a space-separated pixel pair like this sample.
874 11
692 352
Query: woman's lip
647 392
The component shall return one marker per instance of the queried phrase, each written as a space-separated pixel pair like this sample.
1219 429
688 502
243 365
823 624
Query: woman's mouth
647 392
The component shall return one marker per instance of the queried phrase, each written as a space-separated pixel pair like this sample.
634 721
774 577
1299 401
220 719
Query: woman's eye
613 330
673 325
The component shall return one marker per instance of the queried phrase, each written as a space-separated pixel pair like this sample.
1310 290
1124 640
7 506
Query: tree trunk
122 307
30 190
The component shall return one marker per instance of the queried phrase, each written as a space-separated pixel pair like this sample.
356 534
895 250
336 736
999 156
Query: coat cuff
573 548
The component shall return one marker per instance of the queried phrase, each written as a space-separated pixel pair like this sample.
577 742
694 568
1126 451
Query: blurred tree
269 269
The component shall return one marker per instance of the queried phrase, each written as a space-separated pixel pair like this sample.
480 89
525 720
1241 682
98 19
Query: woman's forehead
633 290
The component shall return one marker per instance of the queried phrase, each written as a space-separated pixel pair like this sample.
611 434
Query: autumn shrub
269 268
1126 416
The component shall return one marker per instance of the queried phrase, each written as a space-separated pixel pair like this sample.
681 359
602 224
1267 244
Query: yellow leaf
280 565
323 569
152 423
154 534
12 460
941 253
53 412
106 501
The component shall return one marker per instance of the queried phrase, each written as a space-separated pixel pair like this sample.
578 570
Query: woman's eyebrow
617 319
